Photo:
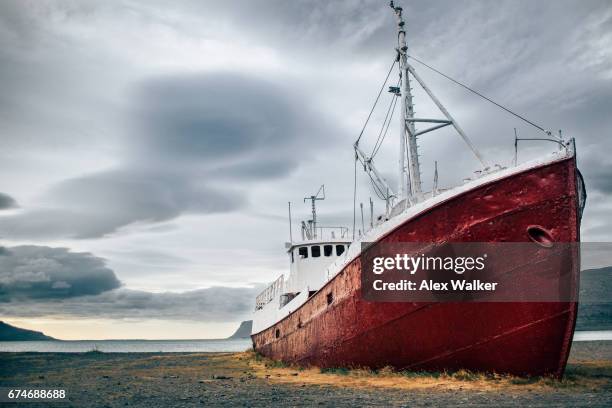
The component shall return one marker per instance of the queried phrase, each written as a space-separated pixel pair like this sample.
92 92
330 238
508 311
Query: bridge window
303 252
328 249
339 249
316 251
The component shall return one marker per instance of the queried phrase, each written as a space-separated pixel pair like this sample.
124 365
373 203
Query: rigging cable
359 138
481 95
377 148
382 128
376 101
354 194
377 188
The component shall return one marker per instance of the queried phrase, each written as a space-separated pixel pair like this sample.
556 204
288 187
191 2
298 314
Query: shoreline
226 379
161 347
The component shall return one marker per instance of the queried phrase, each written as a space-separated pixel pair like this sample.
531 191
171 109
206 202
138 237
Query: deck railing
270 293
330 232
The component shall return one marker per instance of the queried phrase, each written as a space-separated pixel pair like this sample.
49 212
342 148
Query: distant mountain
595 310
244 331
12 333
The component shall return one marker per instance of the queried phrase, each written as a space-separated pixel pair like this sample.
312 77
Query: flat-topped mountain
244 331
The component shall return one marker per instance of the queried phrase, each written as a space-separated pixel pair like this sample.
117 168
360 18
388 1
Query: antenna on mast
313 199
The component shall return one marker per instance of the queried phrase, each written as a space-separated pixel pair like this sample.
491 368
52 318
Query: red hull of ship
523 338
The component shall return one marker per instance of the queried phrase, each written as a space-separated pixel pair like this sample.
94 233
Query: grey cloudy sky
149 148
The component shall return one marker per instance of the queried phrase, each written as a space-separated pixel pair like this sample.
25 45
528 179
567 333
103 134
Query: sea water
127 346
594 335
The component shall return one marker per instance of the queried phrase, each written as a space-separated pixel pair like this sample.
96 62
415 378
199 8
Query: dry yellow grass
588 375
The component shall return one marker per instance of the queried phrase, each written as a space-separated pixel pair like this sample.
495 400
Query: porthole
540 236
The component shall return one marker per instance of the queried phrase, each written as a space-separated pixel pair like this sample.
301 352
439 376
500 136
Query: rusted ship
317 314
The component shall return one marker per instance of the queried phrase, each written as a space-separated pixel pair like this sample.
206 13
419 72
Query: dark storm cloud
97 205
38 272
232 119
215 304
6 202
190 133
44 281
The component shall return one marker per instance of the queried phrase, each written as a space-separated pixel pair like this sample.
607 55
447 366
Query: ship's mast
409 190
313 199
409 169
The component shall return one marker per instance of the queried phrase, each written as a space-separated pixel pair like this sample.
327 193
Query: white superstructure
310 261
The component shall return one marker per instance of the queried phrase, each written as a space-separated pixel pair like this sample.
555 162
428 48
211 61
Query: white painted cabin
310 263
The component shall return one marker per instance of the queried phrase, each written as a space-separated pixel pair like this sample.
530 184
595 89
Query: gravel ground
154 380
